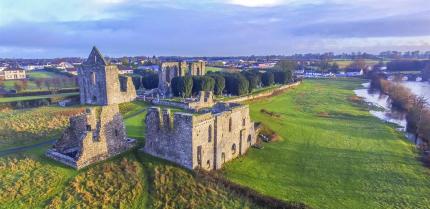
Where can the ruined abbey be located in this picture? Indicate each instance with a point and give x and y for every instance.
(100, 83)
(200, 140)
(169, 70)
(99, 133)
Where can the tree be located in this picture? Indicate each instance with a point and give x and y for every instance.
(177, 86)
(283, 76)
(47, 83)
(203, 83)
(268, 78)
(137, 81)
(18, 86)
(219, 84)
(335, 68)
(286, 65)
(236, 83)
(24, 84)
(414, 115)
(1, 84)
(182, 86)
(253, 80)
(358, 64)
(425, 73)
(150, 81)
(39, 83)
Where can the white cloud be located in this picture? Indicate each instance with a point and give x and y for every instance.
(258, 3)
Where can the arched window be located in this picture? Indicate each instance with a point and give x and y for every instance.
(230, 123)
(223, 157)
(249, 139)
(243, 122)
(233, 148)
(210, 133)
(208, 164)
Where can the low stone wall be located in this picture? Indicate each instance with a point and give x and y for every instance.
(263, 94)
(170, 104)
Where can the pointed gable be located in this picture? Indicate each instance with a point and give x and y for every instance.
(95, 58)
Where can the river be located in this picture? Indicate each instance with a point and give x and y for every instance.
(388, 114)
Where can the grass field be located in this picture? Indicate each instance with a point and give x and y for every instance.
(333, 153)
(30, 126)
(213, 69)
(24, 98)
(33, 75)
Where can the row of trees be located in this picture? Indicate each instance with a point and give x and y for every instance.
(146, 79)
(233, 83)
(49, 83)
(416, 107)
(406, 65)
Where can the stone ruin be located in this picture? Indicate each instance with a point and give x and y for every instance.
(101, 84)
(99, 133)
(95, 135)
(169, 70)
(200, 141)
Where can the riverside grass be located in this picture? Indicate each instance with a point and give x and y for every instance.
(333, 154)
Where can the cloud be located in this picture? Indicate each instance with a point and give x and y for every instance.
(257, 3)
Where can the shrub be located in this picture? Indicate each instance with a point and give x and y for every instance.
(268, 78)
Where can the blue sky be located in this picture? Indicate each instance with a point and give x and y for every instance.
(53, 28)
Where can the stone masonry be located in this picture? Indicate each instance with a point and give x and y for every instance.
(169, 70)
(99, 133)
(100, 83)
(95, 135)
(204, 141)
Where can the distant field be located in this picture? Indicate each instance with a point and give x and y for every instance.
(213, 69)
(33, 75)
(334, 154)
(14, 99)
(346, 63)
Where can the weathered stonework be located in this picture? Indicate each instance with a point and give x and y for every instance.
(203, 100)
(169, 70)
(100, 83)
(203, 141)
(93, 136)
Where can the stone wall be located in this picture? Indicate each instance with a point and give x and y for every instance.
(91, 137)
(99, 82)
(197, 68)
(204, 141)
(267, 93)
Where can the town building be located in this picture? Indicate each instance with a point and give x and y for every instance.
(12, 74)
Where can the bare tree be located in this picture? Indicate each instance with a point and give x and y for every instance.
(47, 83)
(18, 86)
(39, 83)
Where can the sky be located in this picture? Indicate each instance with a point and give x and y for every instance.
(53, 28)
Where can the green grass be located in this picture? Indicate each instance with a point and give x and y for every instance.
(213, 69)
(25, 98)
(29, 126)
(333, 154)
(42, 75)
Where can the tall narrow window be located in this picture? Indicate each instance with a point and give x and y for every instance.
(230, 124)
(93, 78)
(210, 133)
(243, 122)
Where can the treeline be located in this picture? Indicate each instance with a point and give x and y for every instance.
(145, 78)
(407, 65)
(416, 107)
(233, 83)
(48, 83)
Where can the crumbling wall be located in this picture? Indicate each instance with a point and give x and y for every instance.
(169, 138)
(91, 137)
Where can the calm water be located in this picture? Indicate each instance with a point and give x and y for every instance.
(387, 113)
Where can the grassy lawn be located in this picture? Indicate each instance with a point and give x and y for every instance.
(333, 154)
(213, 69)
(30, 126)
(14, 99)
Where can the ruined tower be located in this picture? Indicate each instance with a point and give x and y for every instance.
(99, 133)
(100, 83)
(169, 70)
